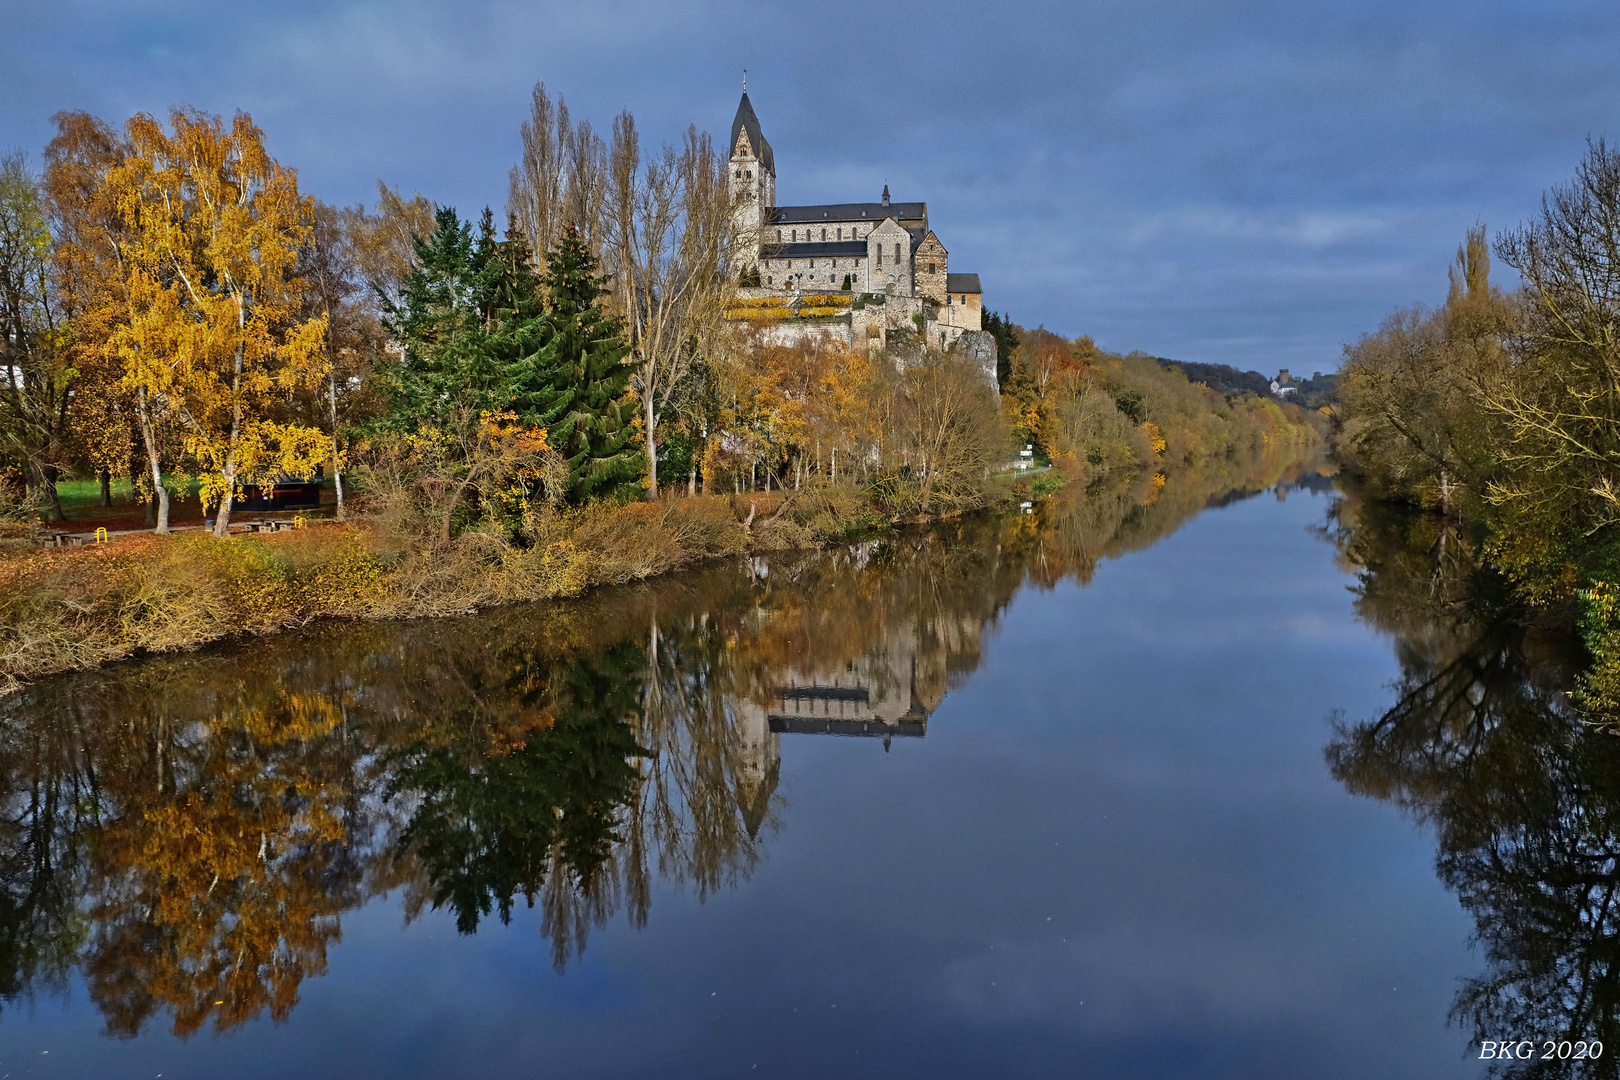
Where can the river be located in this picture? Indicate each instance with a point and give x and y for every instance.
(1110, 788)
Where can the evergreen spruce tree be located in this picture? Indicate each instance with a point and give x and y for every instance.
(475, 332)
(593, 427)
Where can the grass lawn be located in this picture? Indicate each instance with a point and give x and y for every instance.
(81, 503)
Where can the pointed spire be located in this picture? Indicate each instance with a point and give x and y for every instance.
(747, 122)
(885, 194)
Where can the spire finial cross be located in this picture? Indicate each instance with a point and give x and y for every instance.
(745, 80)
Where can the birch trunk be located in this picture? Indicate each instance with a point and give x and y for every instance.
(149, 438)
(222, 520)
(652, 447)
(337, 475)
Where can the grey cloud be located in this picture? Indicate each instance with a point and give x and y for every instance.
(1247, 182)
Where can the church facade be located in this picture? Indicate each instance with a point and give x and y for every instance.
(883, 251)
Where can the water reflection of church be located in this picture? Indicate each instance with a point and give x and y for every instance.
(885, 696)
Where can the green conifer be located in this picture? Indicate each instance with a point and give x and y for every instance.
(593, 426)
(476, 336)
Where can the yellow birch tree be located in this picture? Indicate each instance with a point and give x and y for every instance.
(213, 336)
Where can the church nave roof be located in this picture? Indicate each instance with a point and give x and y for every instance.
(833, 249)
(874, 212)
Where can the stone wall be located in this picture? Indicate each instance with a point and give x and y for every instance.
(812, 275)
(929, 261)
(885, 273)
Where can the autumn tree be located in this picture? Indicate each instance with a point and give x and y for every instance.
(949, 431)
(1559, 394)
(87, 231)
(384, 240)
(336, 289)
(34, 339)
(670, 240)
(214, 332)
(1413, 393)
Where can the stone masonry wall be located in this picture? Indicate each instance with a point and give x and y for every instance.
(930, 282)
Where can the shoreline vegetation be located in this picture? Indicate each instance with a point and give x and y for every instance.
(1494, 420)
(501, 416)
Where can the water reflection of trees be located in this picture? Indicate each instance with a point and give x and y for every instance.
(186, 832)
(1484, 745)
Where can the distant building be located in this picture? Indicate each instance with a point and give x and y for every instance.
(851, 251)
(1283, 385)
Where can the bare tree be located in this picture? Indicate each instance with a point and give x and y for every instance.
(585, 199)
(1562, 394)
(538, 183)
(384, 243)
(35, 369)
(560, 180)
(669, 244)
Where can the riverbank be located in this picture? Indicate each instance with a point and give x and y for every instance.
(69, 609)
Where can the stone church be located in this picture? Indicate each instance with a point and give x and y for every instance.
(883, 252)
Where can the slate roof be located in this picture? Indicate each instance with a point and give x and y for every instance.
(747, 121)
(830, 250)
(968, 283)
(831, 212)
(806, 725)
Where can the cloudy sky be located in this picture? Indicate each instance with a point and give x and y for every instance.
(1239, 181)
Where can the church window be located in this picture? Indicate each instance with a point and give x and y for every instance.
(897, 254)
(768, 281)
(930, 268)
(778, 236)
(840, 234)
(823, 236)
(880, 255)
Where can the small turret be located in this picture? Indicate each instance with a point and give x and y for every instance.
(885, 194)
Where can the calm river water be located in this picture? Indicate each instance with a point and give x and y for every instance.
(1112, 788)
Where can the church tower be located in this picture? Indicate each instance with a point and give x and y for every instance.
(753, 182)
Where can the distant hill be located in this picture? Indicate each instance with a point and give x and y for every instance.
(1225, 379)
(1222, 378)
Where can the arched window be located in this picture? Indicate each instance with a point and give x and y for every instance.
(930, 268)
(840, 234)
(880, 254)
(897, 253)
(823, 236)
(778, 236)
